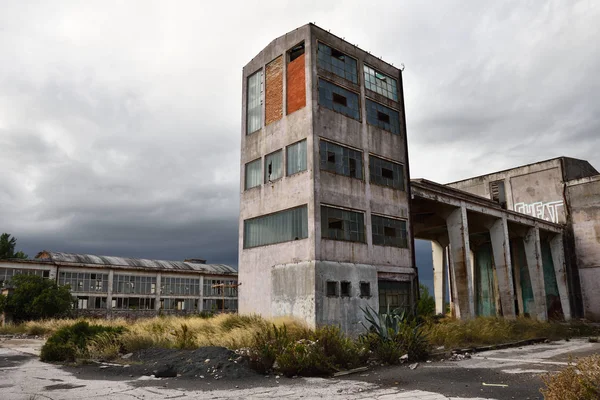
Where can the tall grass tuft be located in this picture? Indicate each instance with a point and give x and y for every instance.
(576, 382)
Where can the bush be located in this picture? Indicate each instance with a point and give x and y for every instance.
(304, 358)
(580, 382)
(341, 351)
(74, 340)
(268, 343)
(35, 298)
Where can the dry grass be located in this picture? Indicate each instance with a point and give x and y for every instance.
(452, 333)
(576, 382)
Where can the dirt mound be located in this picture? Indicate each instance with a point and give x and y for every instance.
(204, 362)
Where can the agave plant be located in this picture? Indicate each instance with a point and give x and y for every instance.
(385, 325)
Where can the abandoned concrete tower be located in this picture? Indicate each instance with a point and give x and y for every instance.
(324, 227)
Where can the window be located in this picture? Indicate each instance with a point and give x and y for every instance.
(170, 285)
(218, 305)
(273, 166)
(345, 289)
(498, 193)
(84, 282)
(341, 224)
(389, 231)
(381, 83)
(365, 289)
(386, 173)
(278, 227)
(336, 62)
(254, 103)
(341, 160)
(383, 117)
(7, 273)
(220, 287)
(129, 284)
(253, 173)
(296, 158)
(394, 295)
(332, 289)
(134, 303)
(338, 99)
(296, 51)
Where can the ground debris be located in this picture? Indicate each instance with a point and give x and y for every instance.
(459, 356)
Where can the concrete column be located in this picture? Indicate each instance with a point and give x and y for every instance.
(503, 266)
(533, 252)
(439, 278)
(558, 259)
(109, 290)
(157, 298)
(458, 233)
(448, 256)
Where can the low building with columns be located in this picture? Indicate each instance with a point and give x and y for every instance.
(105, 286)
(523, 241)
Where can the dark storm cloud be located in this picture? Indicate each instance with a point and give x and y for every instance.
(120, 122)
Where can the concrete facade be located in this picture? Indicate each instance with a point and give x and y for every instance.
(124, 287)
(294, 277)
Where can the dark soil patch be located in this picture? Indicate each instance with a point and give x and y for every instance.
(210, 363)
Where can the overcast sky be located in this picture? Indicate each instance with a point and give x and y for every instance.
(120, 121)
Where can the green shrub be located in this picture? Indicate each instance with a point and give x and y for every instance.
(76, 337)
(268, 343)
(304, 358)
(580, 382)
(342, 352)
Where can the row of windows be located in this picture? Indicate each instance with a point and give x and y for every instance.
(332, 96)
(344, 289)
(216, 305)
(295, 162)
(344, 66)
(333, 158)
(149, 303)
(134, 284)
(346, 102)
(220, 287)
(7, 273)
(84, 281)
(336, 224)
(180, 286)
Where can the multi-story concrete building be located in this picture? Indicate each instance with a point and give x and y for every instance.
(324, 215)
(563, 191)
(104, 286)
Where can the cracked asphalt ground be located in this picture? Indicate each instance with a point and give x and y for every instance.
(507, 374)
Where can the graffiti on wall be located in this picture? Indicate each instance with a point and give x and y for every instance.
(547, 211)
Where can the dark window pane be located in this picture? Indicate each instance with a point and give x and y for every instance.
(386, 173)
(383, 117)
(338, 99)
(341, 224)
(336, 62)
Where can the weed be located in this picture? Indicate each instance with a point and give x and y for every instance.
(576, 382)
(184, 337)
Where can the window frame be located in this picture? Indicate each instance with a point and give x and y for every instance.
(403, 239)
(365, 285)
(265, 169)
(348, 292)
(373, 173)
(259, 162)
(346, 154)
(346, 230)
(376, 121)
(331, 68)
(376, 72)
(287, 157)
(304, 221)
(260, 101)
(334, 284)
(321, 103)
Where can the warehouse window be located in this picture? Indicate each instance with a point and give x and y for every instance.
(389, 231)
(273, 166)
(129, 284)
(386, 173)
(170, 285)
(133, 303)
(254, 103)
(220, 287)
(84, 281)
(339, 224)
(336, 62)
(7, 273)
(253, 174)
(296, 158)
(383, 117)
(338, 99)
(394, 295)
(341, 160)
(381, 83)
(278, 227)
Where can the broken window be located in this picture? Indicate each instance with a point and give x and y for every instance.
(386, 173)
(282, 226)
(296, 52)
(340, 160)
(296, 158)
(345, 289)
(498, 193)
(383, 117)
(340, 224)
(179, 304)
(134, 284)
(339, 99)
(83, 281)
(336, 62)
(394, 295)
(389, 231)
(273, 166)
(332, 289)
(381, 83)
(7, 273)
(254, 103)
(365, 289)
(82, 303)
(253, 174)
(171, 285)
(220, 287)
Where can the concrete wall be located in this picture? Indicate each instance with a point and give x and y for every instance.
(584, 200)
(535, 189)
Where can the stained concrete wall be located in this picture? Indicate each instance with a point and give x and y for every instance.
(584, 200)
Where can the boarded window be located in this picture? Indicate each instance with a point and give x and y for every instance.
(278, 227)
(253, 174)
(296, 158)
(383, 117)
(389, 231)
(341, 160)
(274, 90)
(339, 99)
(342, 224)
(273, 166)
(296, 79)
(386, 173)
(336, 62)
(381, 83)
(254, 103)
